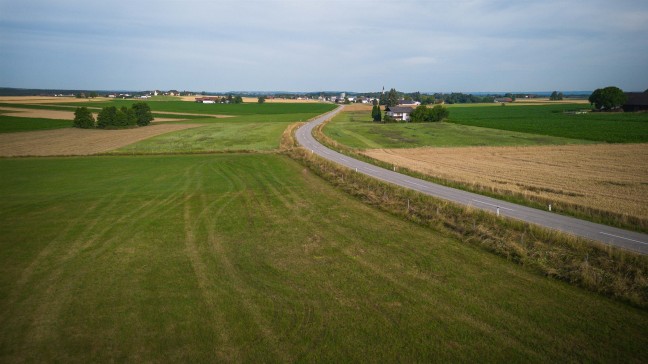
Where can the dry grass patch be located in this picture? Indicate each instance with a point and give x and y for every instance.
(603, 177)
(72, 141)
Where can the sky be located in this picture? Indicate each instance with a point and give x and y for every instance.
(315, 45)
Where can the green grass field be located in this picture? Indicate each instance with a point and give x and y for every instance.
(253, 258)
(356, 130)
(220, 136)
(12, 124)
(551, 120)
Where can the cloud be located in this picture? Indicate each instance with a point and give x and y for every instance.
(334, 44)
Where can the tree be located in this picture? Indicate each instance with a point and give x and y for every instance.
(83, 118)
(608, 98)
(556, 96)
(423, 114)
(376, 115)
(238, 100)
(123, 118)
(261, 99)
(392, 98)
(383, 99)
(92, 94)
(142, 113)
(106, 117)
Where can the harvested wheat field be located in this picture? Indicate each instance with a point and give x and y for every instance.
(73, 141)
(608, 177)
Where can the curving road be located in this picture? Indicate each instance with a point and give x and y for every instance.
(625, 239)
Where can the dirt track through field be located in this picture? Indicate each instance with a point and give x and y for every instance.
(72, 141)
(609, 177)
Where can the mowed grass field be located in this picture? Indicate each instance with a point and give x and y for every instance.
(252, 258)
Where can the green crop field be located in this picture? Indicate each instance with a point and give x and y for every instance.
(253, 258)
(226, 109)
(12, 124)
(356, 130)
(552, 120)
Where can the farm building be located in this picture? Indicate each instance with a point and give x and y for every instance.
(399, 112)
(503, 99)
(207, 100)
(637, 101)
(403, 102)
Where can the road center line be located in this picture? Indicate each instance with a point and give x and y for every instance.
(621, 237)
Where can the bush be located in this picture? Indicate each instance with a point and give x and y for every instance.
(83, 118)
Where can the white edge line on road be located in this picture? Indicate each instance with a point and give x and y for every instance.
(621, 237)
(490, 204)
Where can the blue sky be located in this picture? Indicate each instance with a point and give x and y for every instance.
(304, 45)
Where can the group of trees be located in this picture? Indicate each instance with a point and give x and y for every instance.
(424, 114)
(608, 98)
(111, 117)
(556, 96)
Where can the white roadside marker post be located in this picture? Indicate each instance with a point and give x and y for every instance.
(498, 211)
(549, 207)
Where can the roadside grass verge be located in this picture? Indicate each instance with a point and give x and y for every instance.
(12, 124)
(596, 267)
(602, 216)
(254, 258)
(552, 120)
(356, 130)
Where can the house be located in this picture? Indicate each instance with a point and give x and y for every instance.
(399, 112)
(637, 101)
(503, 99)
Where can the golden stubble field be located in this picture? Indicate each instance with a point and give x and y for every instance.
(608, 177)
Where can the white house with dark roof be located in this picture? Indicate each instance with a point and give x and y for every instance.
(399, 112)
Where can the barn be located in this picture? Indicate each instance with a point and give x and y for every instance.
(637, 101)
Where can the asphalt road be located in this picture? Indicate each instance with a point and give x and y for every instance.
(625, 239)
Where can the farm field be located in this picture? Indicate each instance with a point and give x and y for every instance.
(13, 124)
(73, 141)
(605, 177)
(250, 257)
(222, 109)
(242, 131)
(356, 130)
(553, 121)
